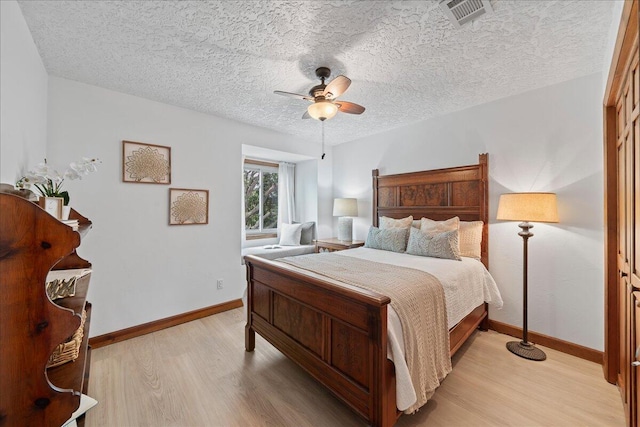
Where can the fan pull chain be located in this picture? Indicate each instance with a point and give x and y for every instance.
(322, 158)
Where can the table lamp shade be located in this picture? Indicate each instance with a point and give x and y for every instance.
(534, 207)
(345, 207)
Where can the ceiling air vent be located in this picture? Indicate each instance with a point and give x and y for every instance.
(462, 11)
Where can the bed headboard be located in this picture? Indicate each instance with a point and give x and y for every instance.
(437, 194)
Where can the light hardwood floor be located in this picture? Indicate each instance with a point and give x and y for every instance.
(198, 374)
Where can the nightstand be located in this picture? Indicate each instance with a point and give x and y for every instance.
(333, 244)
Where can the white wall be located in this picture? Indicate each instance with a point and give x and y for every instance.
(143, 269)
(616, 14)
(23, 103)
(306, 193)
(548, 139)
(325, 194)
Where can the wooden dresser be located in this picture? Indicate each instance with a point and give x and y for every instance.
(32, 242)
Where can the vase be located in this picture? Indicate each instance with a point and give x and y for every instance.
(66, 210)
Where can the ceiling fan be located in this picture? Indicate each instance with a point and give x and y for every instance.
(324, 97)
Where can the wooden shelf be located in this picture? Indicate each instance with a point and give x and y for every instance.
(70, 376)
(31, 325)
(77, 302)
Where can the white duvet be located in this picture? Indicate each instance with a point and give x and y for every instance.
(466, 283)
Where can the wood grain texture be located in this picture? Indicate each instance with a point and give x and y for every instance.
(622, 212)
(146, 328)
(333, 244)
(611, 309)
(31, 326)
(299, 322)
(198, 374)
(623, 50)
(577, 350)
(301, 307)
(424, 195)
(347, 353)
(438, 194)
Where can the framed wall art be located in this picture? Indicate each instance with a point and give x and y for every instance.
(188, 207)
(146, 163)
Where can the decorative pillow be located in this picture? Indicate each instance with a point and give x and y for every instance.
(391, 239)
(471, 239)
(416, 223)
(436, 245)
(290, 234)
(386, 222)
(308, 228)
(430, 226)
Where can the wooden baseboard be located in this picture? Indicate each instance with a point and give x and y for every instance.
(551, 342)
(156, 325)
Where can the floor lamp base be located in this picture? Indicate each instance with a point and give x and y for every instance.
(526, 350)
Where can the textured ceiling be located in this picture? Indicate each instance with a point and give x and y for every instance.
(407, 62)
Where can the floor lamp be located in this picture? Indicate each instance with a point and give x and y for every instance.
(525, 207)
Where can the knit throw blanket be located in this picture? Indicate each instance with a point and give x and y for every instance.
(418, 299)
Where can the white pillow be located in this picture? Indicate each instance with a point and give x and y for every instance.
(431, 227)
(386, 222)
(470, 239)
(290, 234)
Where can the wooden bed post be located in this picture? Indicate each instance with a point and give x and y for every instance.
(375, 173)
(249, 333)
(483, 161)
(380, 413)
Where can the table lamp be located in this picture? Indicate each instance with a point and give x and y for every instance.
(345, 209)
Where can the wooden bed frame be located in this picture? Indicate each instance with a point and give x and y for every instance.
(337, 332)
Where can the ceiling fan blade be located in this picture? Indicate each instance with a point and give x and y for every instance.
(350, 107)
(337, 87)
(293, 95)
(306, 115)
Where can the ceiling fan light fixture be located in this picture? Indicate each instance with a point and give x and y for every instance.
(322, 110)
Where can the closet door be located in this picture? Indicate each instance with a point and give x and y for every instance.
(635, 361)
(622, 217)
(629, 237)
(624, 289)
(633, 141)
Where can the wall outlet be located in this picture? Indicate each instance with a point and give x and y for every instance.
(220, 283)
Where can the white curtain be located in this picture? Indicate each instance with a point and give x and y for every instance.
(243, 232)
(286, 190)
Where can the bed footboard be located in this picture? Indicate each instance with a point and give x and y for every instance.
(336, 332)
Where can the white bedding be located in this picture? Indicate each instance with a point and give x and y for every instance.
(466, 283)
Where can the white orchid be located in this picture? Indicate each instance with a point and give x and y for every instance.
(82, 167)
(48, 181)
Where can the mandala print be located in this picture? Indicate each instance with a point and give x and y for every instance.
(147, 162)
(189, 207)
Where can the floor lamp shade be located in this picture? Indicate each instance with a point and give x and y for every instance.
(345, 209)
(535, 207)
(525, 207)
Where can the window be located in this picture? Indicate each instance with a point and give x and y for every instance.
(260, 198)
